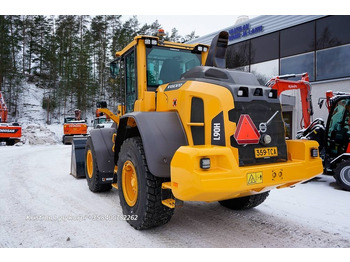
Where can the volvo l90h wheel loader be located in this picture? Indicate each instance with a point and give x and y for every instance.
(191, 130)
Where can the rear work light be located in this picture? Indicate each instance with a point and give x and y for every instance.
(204, 163)
(150, 42)
(273, 93)
(199, 49)
(314, 152)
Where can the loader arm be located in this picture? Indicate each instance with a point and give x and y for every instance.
(107, 112)
(280, 84)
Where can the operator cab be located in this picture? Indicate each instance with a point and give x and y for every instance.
(338, 131)
(69, 119)
(158, 62)
(102, 122)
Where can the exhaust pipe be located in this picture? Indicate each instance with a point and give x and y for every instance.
(217, 52)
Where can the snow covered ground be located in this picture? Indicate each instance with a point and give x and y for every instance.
(43, 206)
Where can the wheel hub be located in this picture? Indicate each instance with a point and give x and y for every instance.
(89, 163)
(129, 183)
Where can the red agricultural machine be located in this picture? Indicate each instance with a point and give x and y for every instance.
(9, 133)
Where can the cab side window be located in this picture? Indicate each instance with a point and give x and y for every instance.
(130, 76)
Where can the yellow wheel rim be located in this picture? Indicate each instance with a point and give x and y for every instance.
(129, 183)
(89, 163)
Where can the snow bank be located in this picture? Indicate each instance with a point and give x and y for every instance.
(32, 117)
(38, 134)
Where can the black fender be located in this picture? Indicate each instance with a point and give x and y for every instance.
(334, 162)
(162, 134)
(103, 147)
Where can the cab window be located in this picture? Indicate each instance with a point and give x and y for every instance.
(130, 76)
(165, 65)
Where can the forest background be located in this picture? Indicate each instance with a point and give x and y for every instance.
(67, 56)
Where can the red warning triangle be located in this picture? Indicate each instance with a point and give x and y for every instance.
(246, 132)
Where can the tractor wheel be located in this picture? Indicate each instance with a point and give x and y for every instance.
(93, 176)
(342, 175)
(247, 202)
(10, 142)
(139, 190)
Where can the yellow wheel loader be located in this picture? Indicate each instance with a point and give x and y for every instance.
(191, 130)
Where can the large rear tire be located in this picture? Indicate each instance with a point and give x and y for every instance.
(140, 192)
(247, 202)
(93, 176)
(342, 175)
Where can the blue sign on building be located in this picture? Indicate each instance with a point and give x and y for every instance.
(243, 31)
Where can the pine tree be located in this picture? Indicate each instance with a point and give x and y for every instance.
(67, 36)
(100, 36)
(5, 53)
(151, 29)
(83, 74)
(189, 37)
(174, 37)
(13, 76)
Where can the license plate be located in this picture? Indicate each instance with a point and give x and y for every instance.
(265, 152)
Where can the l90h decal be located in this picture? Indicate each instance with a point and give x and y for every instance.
(218, 130)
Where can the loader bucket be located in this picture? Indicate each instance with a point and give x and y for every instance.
(78, 157)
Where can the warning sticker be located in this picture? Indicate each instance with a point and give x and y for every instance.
(254, 178)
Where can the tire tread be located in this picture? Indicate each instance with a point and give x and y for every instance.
(93, 183)
(244, 203)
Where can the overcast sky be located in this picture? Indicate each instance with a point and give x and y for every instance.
(201, 16)
(185, 24)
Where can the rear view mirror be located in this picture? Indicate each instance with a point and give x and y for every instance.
(320, 102)
(101, 104)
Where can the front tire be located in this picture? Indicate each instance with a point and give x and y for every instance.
(243, 203)
(67, 140)
(140, 191)
(93, 176)
(342, 175)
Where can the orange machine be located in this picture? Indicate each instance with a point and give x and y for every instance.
(280, 84)
(10, 134)
(73, 126)
(334, 137)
